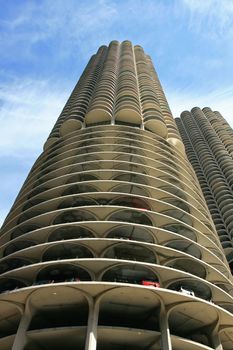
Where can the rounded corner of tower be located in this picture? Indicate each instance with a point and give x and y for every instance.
(69, 126)
(50, 141)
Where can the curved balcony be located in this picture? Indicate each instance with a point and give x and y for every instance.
(136, 217)
(73, 216)
(13, 263)
(10, 284)
(70, 232)
(130, 274)
(181, 230)
(133, 252)
(186, 247)
(61, 273)
(18, 245)
(131, 233)
(24, 229)
(66, 251)
(191, 288)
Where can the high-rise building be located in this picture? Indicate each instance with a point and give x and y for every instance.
(110, 244)
(209, 147)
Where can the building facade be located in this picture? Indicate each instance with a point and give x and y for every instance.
(110, 243)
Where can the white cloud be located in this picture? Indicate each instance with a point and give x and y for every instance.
(79, 27)
(67, 25)
(219, 100)
(217, 7)
(29, 109)
(213, 18)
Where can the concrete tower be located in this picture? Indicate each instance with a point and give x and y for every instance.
(209, 146)
(110, 244)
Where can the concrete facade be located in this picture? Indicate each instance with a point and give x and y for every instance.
(110, 243)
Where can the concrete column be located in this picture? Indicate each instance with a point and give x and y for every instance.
(21, 335)
(91, 338)
(164, 328)
(216, 341)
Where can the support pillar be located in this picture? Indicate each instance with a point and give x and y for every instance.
(21, 335)
(216, 341)
(213, 332)
(164, 328)
(91, 338)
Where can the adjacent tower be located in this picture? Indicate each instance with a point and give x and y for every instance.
(209, 146)
(110, 244)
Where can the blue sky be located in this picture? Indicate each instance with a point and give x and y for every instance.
(45, 44)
